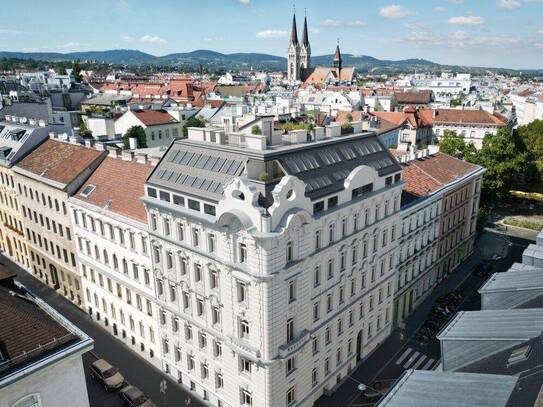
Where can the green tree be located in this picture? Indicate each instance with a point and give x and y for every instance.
(349, 117)
(256, 129)
(532, 137)
(138, 133)
(192, 122)
(452, 144)
(84, 131)
(76, 72)
(506, 161)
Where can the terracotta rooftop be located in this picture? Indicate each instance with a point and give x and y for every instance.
(426, 175)
(468, 116)
(414, 98)
(416, 117)
(154, 117)
(342, 115)
(119, 185)
(27, 332)
(59, 161)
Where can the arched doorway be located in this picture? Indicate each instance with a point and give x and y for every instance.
(54, 277)
(359, 346)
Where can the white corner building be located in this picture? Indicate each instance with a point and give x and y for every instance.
(274, 261)
(113, 253)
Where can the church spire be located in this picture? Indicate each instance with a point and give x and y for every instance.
(337, 57)
(305, 37)
(294, 31)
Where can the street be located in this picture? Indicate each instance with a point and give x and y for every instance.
(401, 351)
(136, 370)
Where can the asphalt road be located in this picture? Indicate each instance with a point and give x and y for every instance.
(136, 370)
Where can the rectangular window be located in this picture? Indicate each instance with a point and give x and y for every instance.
(194, 205)
(242, 253)
(290, 330)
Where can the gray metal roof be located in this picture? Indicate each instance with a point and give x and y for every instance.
(421, 388)
(196, 170)
(202, 169)
(514, 281)
(495, 325)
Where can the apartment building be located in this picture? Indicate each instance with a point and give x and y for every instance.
(274, 262)
(17, 138)
(113, 252)
(440, 201)
(47, 177)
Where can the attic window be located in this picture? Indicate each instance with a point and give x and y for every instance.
(87, 190)
(519, 355)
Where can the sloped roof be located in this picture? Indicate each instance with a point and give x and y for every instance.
(321, 74)
(342, 115)
(154, 117)
(59, 161)
(426, 175)
(414, 97)
(423, 388)
(119, 185)
(468, 116)
(26, 331)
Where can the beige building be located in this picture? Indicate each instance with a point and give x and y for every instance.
(48, 176)
(16, 140)
(440, 202)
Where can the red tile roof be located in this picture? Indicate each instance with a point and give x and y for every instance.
(59, 161)
(468, 116)
(413, 97)
(426, 175)
(154, 117)
(118, 184)
(415, 117)
(26, 331)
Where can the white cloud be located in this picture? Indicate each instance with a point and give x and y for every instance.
(315, 30)
(439, 10)
(329, 22)
(9, 31)
(466, 20)
(460, 39)
(540, 31)
(356, 23)
(127, 38)
(456, 1)
(245, 2)
(272, 34)
(123, 5)
(70, 45)
(508, 4)
(394, 11)
(153, 39)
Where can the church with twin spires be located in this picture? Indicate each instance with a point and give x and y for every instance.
(299, 62)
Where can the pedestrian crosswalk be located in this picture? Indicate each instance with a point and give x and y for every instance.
(413, 359)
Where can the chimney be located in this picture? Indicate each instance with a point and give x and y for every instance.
(127, 155)
(141, 158)
(113, 152)
(89, 143)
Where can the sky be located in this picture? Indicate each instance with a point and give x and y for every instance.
(492, 33)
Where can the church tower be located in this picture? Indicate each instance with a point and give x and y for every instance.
(294, 53)
(305, 50)
(338, 62)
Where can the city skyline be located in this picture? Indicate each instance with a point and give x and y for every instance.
(503, 33)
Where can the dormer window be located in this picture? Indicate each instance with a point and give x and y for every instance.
(519, 355)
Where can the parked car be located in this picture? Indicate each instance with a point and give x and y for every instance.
(134, 397)
(107, 375)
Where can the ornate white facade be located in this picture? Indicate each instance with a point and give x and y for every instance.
(272, 304)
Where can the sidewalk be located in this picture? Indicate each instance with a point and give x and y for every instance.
(378, 365)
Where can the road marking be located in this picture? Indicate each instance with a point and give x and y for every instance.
(401, 358)
(411, 360)
(419, 362)
(428, 364)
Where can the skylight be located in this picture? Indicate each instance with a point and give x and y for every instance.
(87, 190)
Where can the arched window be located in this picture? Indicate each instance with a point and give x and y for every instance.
(115, 262)
(106, 258)
(96, 252)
